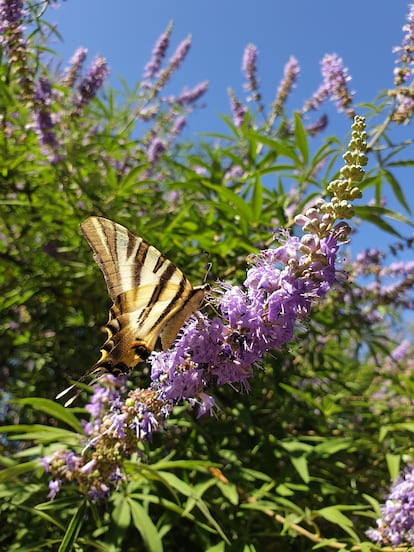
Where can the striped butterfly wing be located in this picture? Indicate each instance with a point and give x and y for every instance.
(151, 296)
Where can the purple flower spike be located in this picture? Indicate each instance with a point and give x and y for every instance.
(405, 51)
(249, 63)
(158, 54)
(155, 149)
(249, 67)
(238, 110)
(180, 53)
(11, 17)
(76, 62)
(92, 82)
(188, 97)
(334, 85)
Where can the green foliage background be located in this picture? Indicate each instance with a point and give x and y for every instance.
(304, 457)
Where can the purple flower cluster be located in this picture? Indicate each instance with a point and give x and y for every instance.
(71, 74)
(155, 149)
(396, 526)
(385, 284)
(158, 54)
(43, 119)
(11, 14)
(42, 116)
(178, 126)
(118, 423)
(153, 68)
(404, 106)
(278, 292)
(169, 113)
(400, 352)
(290, 76)
(249, 63)
(334, 85)
(238, 109)
(249, 67)
(13, 43)
(92, 82)
(180, 53)
(403, 73)
(405, 52)
(188, 97)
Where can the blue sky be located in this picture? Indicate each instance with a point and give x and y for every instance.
(362, 32)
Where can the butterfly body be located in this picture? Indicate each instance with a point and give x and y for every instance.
(151, 297)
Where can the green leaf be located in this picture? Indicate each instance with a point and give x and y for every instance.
(368, 212)
(146, 527)
(41, 433)
(74, 527)
(332, 446)
(301, 137)
(56, 410)
(334, 515)
(121, 514)
(396, 188)
(16, 297)
(229, 491)
(393, 464)
(220, 547)
(229, 197)
(257, 199)
(403, 426)
(8, 474)
(176, 483)
(300, 464)
(279, 147)
(376, 219)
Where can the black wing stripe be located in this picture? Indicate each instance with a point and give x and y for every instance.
(157, 294)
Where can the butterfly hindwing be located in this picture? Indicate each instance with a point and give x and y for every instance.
(151, 296)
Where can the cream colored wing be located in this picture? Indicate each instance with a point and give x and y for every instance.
(127, 261)
(152, 297)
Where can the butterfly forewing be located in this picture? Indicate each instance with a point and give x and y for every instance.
(151, 296)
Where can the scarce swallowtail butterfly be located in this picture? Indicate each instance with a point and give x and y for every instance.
(151, 297)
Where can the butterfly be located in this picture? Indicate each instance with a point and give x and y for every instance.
(151, 297)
